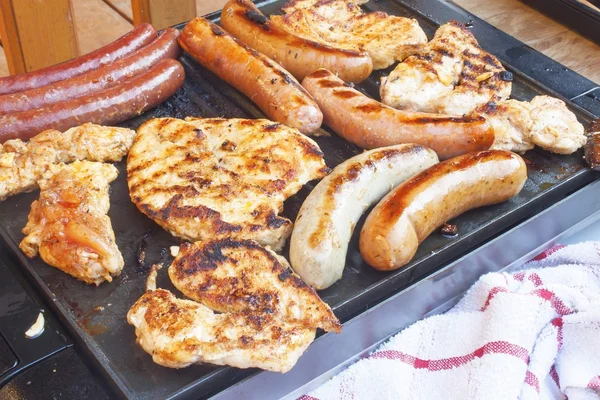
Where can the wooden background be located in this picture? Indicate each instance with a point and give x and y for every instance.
(98, 24)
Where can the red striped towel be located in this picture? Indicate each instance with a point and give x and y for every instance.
(533, 334)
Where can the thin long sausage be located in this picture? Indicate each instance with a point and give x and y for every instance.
(404, 218)
(370, 124)
(106, 107)
(125, 45)
(268, 85)
(165, 46)
(300, 56)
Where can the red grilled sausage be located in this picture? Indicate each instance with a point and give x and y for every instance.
(126, 44)
(300, 56)
(106, 107)
(370, 124)
(165, 46)
(273, 89)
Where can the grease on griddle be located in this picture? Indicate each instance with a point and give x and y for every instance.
(140, 256)
(533, 165)
(449, 230)
(92, 322)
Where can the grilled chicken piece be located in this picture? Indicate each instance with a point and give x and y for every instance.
(22, 164)
(178, 333)
(342, 24)
(68, 225)
(592, 146)
(545, 121)
(449, 75)
(204, 179)
(239, 276)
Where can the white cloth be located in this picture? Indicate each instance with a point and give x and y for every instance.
(534, 334)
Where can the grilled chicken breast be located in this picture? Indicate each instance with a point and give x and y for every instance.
(68, 225)
(451, 74)
(242, 276)
(178, 333)
(544, 121)
(22, 164)
(342, 24)
(204, 179)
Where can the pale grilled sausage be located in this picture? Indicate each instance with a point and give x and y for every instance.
(300, 56)
(165, 46)
(267, 84)
(370, 124)
(329, 214)
(404, 218)
(106, 107)
(140, 36)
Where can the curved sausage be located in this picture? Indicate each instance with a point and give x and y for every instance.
(165, 46)
(106, 107)
(411, 212)
(300, 56)
(125, 45)
(272, 88)
(329, 214)
(370, 124)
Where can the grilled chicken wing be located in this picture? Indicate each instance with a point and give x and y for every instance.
(342, 24)
(22, 164)
(178, 333)
(545, 121)
(239, 276)
(449, 75)
(68, 225)
(203, 179)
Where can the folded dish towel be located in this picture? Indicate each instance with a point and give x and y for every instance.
(533, 334)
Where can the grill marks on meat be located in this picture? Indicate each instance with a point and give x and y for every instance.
(22, 164)
(68, 225)
(342, 24)
(242, 276)
(178, 333)
(544, 121)
(204, 179)
(450, 74)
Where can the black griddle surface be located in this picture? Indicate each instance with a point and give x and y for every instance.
(97, 315)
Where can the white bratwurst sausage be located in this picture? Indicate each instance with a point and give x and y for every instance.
(405, 217)
(330, 212)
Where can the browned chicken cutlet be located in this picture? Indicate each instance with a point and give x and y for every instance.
(68, 225)
(238, 276)
(178, 333)
(342, 24)
(22, 164)
(450, 74)
(544, 121)
(204, 179)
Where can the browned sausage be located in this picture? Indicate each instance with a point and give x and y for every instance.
(408, 214)
(300, 56)
(106, 107)
(272, 88)
(165, 46)
(126, 44)
(370, 124)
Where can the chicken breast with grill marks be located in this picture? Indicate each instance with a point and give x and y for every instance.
(22, 164)
(239, 276)
(68, 225)
(178, 333)
(342, 24)
(449, 75)
(544, 121)
(204, 179)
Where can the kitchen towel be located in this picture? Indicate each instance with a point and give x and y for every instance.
(532, 334)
